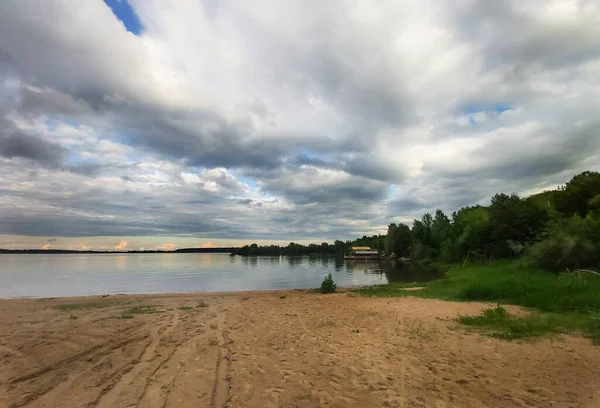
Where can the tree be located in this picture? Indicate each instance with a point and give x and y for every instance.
(440, 229)
(578, 196)
(471, 229)
(513, 220)
(399, 239)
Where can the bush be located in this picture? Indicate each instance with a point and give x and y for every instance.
(328, 285)
(570, 244)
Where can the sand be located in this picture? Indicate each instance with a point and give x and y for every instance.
(258, 350)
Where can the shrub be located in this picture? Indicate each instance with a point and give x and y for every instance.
(328, 285)
(569, 244)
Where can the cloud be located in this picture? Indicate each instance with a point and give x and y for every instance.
(20, 145)
(259, 120)
(169, 246)
(122, 245)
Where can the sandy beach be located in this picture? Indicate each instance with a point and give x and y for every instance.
(278, 349)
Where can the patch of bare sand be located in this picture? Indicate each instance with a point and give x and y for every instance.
(257, 350)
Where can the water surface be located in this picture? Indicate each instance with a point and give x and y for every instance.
(41, 275)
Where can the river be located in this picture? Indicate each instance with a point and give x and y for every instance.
(51, 275)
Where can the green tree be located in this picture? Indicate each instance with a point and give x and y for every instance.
(579, 194)
(513, 220)
(440, 229)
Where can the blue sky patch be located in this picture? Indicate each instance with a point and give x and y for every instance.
(497, 108)
(392, 192)
(248, 181)
(124, 12)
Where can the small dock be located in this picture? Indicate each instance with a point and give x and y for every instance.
(362, 253)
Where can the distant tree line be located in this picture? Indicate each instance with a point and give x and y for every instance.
(555, 230)
(336, 248)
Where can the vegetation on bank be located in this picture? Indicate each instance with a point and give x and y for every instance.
(554, 230)
(567, 302)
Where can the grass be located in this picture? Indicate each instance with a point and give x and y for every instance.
(563, 302)
(501, 324)
(201, 304)
(142, 309)
(125, 316)
(213, 342)
(82, 306)
(282, 296)
(73, 317)
(185, 308)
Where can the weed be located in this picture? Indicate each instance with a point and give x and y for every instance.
(282, 296)
(125, 316)
(245, 297)
(201, 304)
(212, 342)
(505, 326)
(592, 327)
(143, 309)
(185, 308)
(82, 306)
(73, 317)
(331, 323)
(328, 285)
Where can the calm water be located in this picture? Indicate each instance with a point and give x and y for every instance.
(42, 275)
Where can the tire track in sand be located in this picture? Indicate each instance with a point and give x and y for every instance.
(222, 382)
(111, 395)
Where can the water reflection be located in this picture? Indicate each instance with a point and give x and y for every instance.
(395, 271)
(294, 261)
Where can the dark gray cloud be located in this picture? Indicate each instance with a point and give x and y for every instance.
(34, 148)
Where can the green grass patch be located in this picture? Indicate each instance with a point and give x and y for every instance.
(185, 308)
(82, 306)
(142, 309)
(563, 303)
(505, 282)
(282, 296)
(497, 322)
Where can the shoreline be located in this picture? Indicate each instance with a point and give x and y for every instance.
(171, 294)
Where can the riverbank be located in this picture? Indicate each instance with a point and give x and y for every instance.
(278, 349)
(557, 303)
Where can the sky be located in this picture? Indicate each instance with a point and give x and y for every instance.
(131, 124)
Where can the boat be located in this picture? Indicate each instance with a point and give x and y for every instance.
(363, 253)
